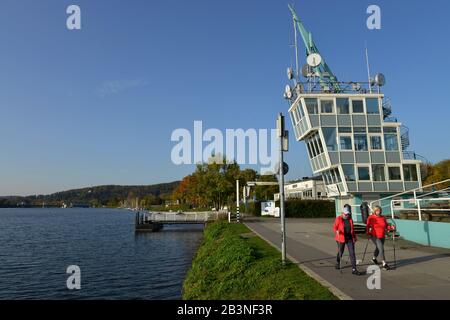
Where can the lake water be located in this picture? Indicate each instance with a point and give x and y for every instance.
(37, 246)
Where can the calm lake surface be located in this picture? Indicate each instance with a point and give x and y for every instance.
(37, 246)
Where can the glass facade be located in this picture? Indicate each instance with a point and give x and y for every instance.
(351, 145)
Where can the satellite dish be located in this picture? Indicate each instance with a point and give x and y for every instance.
(356, 86)
(314, 59)
(290, 73)
(380, 79)
(288, 92)
(307, 71)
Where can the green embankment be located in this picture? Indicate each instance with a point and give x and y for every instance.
(233, 263)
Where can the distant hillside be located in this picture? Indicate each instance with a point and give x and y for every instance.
(110, 195)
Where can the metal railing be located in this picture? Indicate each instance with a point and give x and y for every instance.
(185, 217)
(422, 206)
(391, 204)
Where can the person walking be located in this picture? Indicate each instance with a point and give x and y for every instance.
(345, 236)
(376, 228)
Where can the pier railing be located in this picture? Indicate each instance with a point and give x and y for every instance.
(185, 217)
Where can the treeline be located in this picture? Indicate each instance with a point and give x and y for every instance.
(213, 185)
(110, 196)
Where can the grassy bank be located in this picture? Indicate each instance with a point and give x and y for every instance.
(233, 263)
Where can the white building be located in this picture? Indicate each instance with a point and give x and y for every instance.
(308, 189)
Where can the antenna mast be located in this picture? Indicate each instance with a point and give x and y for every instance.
(297, 73)
(368, 70)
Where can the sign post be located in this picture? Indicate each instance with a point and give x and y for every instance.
(282, 170)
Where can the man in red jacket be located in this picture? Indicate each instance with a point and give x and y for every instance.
(345, 235)
(376, 228)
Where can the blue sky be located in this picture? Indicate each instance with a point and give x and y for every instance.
(98, 106)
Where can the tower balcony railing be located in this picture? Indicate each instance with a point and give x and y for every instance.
(315, 87)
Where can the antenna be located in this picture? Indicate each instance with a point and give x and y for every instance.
(297, 73)
(368, 69)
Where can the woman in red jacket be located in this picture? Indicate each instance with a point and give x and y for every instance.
(345, 235)
(376, 228)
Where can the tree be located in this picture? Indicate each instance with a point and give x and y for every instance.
(438, 172)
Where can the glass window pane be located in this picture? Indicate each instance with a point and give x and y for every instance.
(390, 129)
(363, 173)
(309, 150)
(359, 129)
(372, 106)
(300, 110)
(375, 129)
(349, 172)
(346, 143)
(378, 172)
(394, 173)
(330, 138)
(326, 106)
(345, 129)
(410, 172)
(338, 175)
(360, 141)
(343, 106)
(358, 106)
(375, 143)
(390, 142)
(319, 143)
(312, 105)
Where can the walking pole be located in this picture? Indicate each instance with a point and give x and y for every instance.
(393, 243)
(365, 250)
(339, 253)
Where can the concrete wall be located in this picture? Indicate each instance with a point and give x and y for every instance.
(428, 233)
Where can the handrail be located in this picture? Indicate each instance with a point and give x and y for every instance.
(407, 192)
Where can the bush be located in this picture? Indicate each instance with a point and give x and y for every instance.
(309, 209)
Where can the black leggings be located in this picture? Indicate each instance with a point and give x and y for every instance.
(351, 251)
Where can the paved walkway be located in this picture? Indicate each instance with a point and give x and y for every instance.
(421, 273)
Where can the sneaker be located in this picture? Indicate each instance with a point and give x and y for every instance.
(337, 267)
(386, 267)
(375, 261)
(356, 272)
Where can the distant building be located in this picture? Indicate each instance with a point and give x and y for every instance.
(312, 188)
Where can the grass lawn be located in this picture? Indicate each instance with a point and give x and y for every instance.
(233, 263)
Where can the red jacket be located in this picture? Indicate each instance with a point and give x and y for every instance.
(377, 226)
(339, 225)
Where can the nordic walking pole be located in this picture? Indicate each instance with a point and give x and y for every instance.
(365, 250)
(339, 253)
(393, 243)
